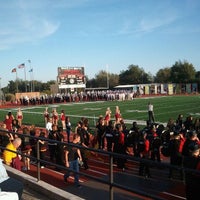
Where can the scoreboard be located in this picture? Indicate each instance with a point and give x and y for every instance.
(71, 77)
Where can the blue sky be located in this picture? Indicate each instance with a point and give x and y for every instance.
(100, 35)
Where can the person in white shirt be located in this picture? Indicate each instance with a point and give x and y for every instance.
(151, 113)
(49, 125)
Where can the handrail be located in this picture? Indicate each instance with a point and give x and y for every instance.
(109, 182)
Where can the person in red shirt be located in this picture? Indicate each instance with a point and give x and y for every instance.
(143, 152)
(62, 119)
(8, 121)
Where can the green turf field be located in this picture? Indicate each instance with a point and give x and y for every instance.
(165, 107)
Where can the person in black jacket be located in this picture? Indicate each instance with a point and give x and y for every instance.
(192, 178)
(100, 128)
(133, 138)
(109, 135)
(84, 141)
(155, 144)
(52, 145)
(191, 138)
(175, 154)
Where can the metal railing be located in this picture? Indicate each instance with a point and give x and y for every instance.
(110, 182)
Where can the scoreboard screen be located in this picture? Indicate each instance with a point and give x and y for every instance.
(71, 77)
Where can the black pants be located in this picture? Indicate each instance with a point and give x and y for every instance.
(109, 143)
(144, 168)
(52, 152)
(84, 158)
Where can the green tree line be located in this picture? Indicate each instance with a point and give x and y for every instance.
(180, 72)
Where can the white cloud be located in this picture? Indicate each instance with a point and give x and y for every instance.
(25, 24)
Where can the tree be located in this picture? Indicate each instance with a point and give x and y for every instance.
(103, 80)
(91, 83)
(182, 72)
(12, 87)
(163, 75)
(134, 75)
(113, 80)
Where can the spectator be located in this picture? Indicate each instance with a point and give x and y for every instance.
(15, 125)
(179, 121)
(109, 135)
(52, 144)
(78, 127)
(12, 158)
(192, 161)
(26, 148)
(100, 128)
(72, 157)
(59, 147)
(121, 147)
(171, 125)
(133, 138)
(155, 145)
(84, 141)
(175, 154)
(188, 123)
(33, 141)
(49, 125)
(143, 151)
(191, 138)
(5, 136)
(68, 127)
(42, 148)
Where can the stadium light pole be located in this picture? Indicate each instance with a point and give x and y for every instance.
(31, 77)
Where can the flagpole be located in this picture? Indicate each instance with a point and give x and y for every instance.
(33, 80)
(25, 77)
(16, 81)
(31, 84)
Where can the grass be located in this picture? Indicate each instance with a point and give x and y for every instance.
(165, 107)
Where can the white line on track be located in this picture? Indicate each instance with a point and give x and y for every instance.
(177, 196)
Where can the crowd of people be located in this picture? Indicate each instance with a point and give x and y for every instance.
(178, 140)
(102, 95)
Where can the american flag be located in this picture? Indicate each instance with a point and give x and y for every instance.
(21, 66)
(14, 70)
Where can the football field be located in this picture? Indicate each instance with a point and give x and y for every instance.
(165, 107)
